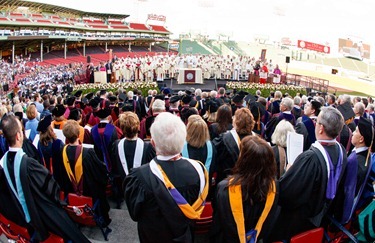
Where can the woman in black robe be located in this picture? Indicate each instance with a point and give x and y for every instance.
(253, 180)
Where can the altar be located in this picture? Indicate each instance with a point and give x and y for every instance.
(190, 75)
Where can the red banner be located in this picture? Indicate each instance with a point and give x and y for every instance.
(313, 46)
(190, 76)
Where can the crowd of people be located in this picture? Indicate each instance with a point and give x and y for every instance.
(166, 154)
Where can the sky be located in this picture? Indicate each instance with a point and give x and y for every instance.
(319, 21)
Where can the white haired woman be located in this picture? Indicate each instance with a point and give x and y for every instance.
(278, 138)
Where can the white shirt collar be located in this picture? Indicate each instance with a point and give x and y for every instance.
(13, 149)
(164, 157)
(104, 121)
(361, 149)
(287, 112)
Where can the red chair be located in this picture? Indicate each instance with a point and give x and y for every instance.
(310, 236)
(203, 225)
(82, 210)
(20, 234)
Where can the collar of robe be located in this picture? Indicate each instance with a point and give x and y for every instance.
(190, 211)
(75, 177)
(235, 200)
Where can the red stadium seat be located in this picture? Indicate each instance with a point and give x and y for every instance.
(203, 225)
(82, 210)
(310, 236)
(20, 234)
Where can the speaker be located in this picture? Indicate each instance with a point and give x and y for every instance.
(287, 59)
(88, 59)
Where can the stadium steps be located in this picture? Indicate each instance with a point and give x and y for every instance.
(206, 47)
(192, 47)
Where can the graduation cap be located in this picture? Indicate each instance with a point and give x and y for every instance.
(78, 93)
(89, 96)
(346, 111)
(70, 100)
(74, 114)
(104, 110)
(238, 98)
(188, 92)
(174, 99)
(112, 98)
(248, 98)
(366, 130)
(122, 96)
(255, 109)
(167, 91)
(103, 92)
(127, 107)
(212, 106)
(186, 99)
(44, 123)
(159, 97)
(94, 103)
(193, 103)
(59, 110)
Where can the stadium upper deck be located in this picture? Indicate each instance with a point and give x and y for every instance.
(24, 24)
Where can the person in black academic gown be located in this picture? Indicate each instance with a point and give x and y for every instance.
(49, 147)
(255, 173)
(305, 197)
(227, 144)
(129, 123)
(94, 176)
(148, 197)
(40, 191)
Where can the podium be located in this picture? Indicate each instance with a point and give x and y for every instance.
(100, 77)
(190, 76)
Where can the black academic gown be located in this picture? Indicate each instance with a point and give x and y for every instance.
(42, 199)
(303, 193)
(95, 178)
(214, 132)
(302, 129)
(150, 204)
(227, 155)
(362, 169)
(118, 171)
(224, 226)
(200, 154)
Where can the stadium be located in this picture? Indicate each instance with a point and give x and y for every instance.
(53, 50)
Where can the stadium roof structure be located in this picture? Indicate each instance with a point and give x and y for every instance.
(12, 5)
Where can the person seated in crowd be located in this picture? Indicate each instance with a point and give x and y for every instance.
(37, 193)
(167, 194)
(84, 173)
(227, 144)
(247, 199)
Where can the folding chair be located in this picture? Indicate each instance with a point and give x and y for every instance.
(82, 211)
(203, 225)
